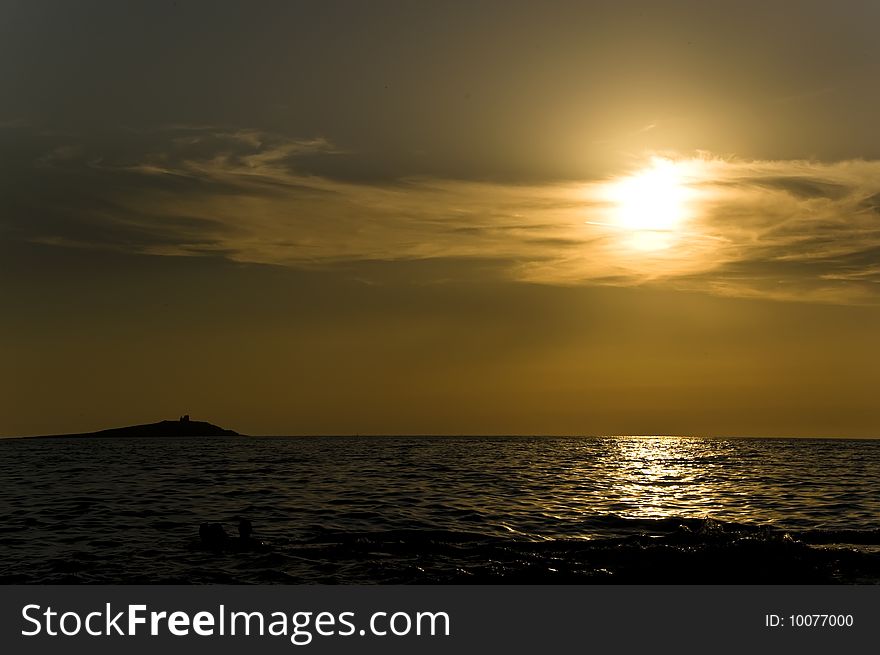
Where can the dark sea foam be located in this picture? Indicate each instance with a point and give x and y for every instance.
(441, 510)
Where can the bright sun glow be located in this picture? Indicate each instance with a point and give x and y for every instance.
(651, 206)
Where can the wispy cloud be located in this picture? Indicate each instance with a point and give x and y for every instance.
(793, 230)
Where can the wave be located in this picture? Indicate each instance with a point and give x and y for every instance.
(666, 551)
(611, 528)
(647, 551)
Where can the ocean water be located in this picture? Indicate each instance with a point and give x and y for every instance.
(441, 510)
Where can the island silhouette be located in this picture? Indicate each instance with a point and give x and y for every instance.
(183, 427)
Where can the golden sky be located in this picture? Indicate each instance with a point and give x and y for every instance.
(407, 218)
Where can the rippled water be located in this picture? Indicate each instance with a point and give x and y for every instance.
(441, 509)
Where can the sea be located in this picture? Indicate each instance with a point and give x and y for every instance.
(440, 510)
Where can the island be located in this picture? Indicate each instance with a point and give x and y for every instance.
(183, 427)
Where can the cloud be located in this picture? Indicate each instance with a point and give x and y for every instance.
(788, 230)
(795, 230)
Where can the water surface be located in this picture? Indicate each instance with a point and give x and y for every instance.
(444, 509)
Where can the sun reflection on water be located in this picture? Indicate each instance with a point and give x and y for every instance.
(660, 477)
(648, 478)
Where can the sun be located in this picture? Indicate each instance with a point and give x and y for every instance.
(653, 199)
(651, 206)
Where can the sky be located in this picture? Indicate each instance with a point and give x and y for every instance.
(441, 218)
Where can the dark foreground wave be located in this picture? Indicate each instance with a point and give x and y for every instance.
(661, 551)
(690, 551)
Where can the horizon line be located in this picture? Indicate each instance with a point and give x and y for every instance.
(461, 435)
